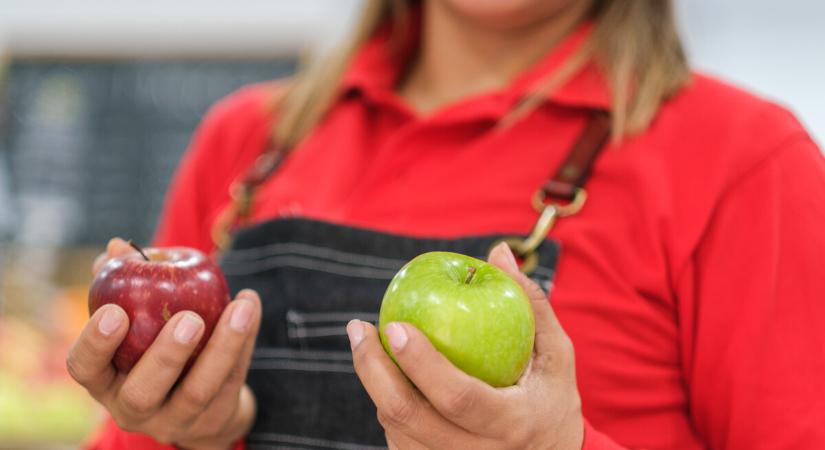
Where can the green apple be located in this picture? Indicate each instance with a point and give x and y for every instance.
(473, 313)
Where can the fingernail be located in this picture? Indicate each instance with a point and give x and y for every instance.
(110, 321)
(511, 258)
(115, 243)
(187, 328)
(396, 335)
(241, 315)
(355, 331)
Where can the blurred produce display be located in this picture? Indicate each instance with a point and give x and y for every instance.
(38, 401)
(87, 149)
(40, 406)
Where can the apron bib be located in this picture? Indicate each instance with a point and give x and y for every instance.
(314, 277)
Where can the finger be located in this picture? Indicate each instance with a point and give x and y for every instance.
(243, 420)
(237, 378)
(400, 408)
(115, 247)
(398, 441)
(390, 443)
(228, 394)
(228, 350)
(149, 382)
(460, 398)
(89, 361)
(235, 421)
(550, 336)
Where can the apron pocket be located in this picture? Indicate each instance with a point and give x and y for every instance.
(291, 382)
(322, 330)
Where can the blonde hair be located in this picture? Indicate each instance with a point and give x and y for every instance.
(635, 42)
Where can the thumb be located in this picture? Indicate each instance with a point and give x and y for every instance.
(115, 247)
(550, 336)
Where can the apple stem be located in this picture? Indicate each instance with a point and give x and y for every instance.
(471, 271)
(140, 250)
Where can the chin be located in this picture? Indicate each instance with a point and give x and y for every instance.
(505, 14)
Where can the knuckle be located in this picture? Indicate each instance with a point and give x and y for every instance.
(223, 422)
(419, 355)
(413, 358)
(567, 349)
(398, 412)
(384, 420)
(381, 419)
(164, 436)
(533, 290)
(235, 376)
(169, 360)
(195, 398)
(360, 358)
(536, 293)
(135, 403)
(517, 436)
(124, 423)
(459, 403)
(76, 370)
(78, 357)
(575, 401)
(544, 361)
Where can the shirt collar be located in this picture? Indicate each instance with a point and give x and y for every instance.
(377, 67)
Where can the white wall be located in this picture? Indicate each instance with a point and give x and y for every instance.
(152, 28)
(776, 48)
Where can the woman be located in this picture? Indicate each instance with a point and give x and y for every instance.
(688, 284)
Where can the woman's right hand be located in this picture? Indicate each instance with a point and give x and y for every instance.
(210, 408)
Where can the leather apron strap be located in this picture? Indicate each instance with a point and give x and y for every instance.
(565, 186)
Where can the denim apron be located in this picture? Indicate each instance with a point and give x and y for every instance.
(314, 277)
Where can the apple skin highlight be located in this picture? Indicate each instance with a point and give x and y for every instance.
(472, 312)
(153, 289)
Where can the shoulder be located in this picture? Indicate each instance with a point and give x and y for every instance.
(719, 132)
(731, 121)
(237, 128)
(251, 105)
(710, 139)
(231, 135)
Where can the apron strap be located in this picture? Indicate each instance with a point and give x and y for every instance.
(566, 185)
(575, 170)
(242, 194)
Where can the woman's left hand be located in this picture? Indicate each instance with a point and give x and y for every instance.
(452, 410)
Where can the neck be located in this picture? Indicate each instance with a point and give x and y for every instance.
(458, 59)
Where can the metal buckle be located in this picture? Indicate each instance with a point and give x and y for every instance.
(220, 232)
(237, 210)
(549, 213)
(567, 209)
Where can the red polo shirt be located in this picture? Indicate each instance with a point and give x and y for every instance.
(691, 284)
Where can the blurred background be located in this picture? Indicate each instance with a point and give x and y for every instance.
(98, 100)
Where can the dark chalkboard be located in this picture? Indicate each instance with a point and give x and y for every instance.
(91, 146)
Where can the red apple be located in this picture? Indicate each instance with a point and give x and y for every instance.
(151, 286)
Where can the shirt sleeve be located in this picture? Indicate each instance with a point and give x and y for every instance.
(753, 311)
(754, 316)
(595, 440)
(111, 437)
